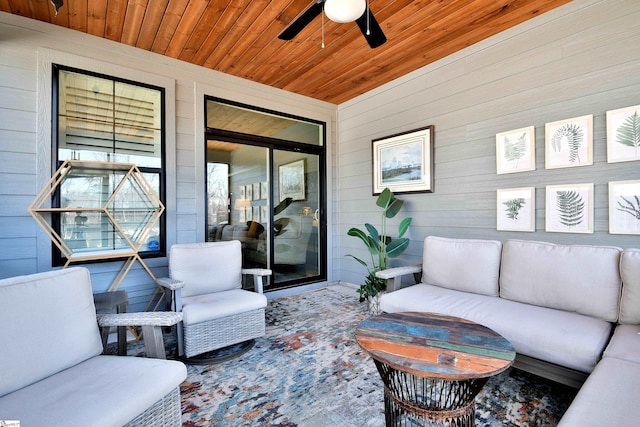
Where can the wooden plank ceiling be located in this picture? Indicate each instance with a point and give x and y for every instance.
(240, 37)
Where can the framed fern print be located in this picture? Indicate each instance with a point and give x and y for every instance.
(623, 134)
(515, 151)
(624, 207)
(569, 143)
(569, 208)
(516, 209)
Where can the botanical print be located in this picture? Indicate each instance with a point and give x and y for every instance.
(624, 207)
(515, 151)
(569, 143)
(623, 134)
(516, 209)
(570, 208)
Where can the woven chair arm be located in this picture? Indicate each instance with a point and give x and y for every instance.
(156, 318)
(391, 273)
(169, 283)
(257, 271)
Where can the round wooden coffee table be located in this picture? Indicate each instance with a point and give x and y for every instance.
(432, 366)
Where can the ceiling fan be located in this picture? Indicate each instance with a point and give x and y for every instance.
(340, 11)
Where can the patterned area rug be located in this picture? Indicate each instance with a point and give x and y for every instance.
(309, 371)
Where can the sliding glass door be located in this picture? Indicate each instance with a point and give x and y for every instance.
(266, 191)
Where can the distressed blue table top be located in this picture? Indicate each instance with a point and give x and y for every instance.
(435, 346)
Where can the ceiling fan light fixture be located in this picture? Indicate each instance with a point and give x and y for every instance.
(343, 11)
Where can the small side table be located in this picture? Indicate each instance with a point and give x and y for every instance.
(432, 365)
(113, 302)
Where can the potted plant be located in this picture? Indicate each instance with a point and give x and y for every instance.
(381, 247)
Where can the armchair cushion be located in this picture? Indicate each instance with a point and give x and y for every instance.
(58, 317)
(200, 308)
(188, 261)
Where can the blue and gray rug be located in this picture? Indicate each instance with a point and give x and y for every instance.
(309, 371)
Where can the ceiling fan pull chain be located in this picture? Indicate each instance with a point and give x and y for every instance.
(322, 25)
(367, 12)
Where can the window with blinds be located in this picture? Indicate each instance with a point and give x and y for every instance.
(105, 119)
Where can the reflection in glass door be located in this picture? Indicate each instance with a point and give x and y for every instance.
(265, 188)
(280, 233)
(296, 216)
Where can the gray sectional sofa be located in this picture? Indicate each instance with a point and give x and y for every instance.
(572, 312)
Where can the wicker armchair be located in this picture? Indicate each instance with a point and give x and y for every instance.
(206, 281)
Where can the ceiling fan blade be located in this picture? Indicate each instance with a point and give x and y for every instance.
(376, 36)
(302, 21)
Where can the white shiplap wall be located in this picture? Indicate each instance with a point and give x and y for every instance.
(27, 48)
(582, 58)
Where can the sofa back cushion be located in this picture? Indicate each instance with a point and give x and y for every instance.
(467, 265)
(206, 267)
(48, 324)
(630, 273)
(576, 278)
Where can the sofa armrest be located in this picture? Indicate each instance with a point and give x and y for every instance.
(257, 274)
(150, 318)
(151, 323)
(169, 283)
(393, 276)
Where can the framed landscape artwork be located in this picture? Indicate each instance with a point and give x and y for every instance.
(623, 134)
(569, 208)
(515, 151)
(404, 162)
(291, 180)
(516, 209)
(624, 207)
(569, 143)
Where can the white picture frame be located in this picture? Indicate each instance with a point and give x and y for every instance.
(621, 146)
(256, 191)
(569, 208)
(569, 143)
(516, 209)
(403, 162)
(515, 151)
(624, 207)
(248, 191)
(264, 190)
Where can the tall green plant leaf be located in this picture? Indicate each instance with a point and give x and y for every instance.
(397, 247)
(385, 198)
(404, 226)
(393, 208)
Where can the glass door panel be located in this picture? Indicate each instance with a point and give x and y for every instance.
(296, 220)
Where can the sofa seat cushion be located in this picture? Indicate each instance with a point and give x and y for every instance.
(567, 339)
(609, 397)
(578, 278)
(201, 308)
(101, 391)
(625, 343)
